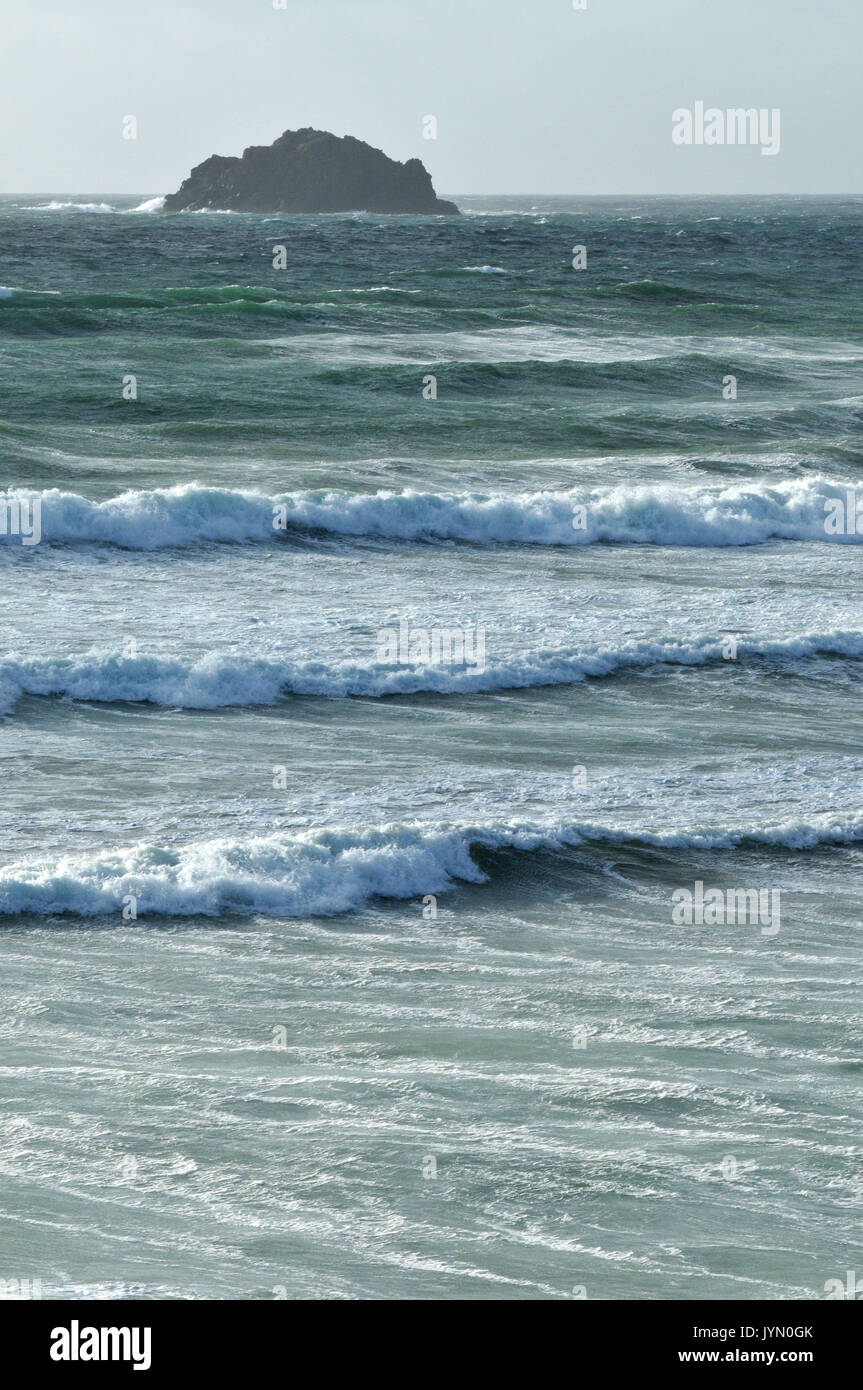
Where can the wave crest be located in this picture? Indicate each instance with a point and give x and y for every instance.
(323, 872)
(216, 681)
(653, 514)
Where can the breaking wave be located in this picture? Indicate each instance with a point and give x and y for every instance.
(150, 205)
(57, 205)
(217, 681)
(328, 871)
(653, 514)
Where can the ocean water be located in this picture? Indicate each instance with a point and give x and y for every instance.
(336, 968)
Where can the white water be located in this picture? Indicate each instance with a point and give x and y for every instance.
(800, 509)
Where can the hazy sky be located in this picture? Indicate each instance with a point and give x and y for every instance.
(530, 96)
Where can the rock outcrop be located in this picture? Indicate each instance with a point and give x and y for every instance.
(309, 171)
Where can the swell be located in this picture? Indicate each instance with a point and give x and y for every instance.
(689, 375)
(191, 296)
(218, 681)
(323, 872)
(743, 514)
(44, 314)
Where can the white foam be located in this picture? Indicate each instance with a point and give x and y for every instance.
(217, 681)
(322, 872)
(58, 206)
(150, 205)
(651, 514)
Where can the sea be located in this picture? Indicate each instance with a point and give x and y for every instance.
(430, 672)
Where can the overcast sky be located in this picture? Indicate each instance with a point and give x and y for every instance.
(530, 96)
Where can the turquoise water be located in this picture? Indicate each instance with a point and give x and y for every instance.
(398, 1007)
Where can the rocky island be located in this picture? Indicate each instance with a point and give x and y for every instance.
(309, 171)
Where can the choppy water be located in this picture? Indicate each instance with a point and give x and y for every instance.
(286, 1076)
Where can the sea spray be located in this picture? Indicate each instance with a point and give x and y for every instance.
(646, 514)
(334, 870)
(218, 680)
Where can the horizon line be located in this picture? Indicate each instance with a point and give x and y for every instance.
(145, 193)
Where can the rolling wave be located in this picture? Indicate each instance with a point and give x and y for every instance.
(688, 376)
(652, 514)
(327, 871)
(220, 681)
(58, 205)
(67, 205)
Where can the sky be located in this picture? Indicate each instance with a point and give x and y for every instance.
(529, 96)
